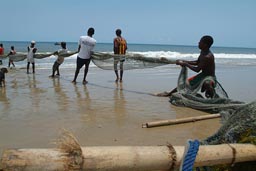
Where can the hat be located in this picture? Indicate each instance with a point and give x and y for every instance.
(33, 42)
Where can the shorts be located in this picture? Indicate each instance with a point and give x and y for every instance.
(120, 59)
(31, 60)
(81, 62)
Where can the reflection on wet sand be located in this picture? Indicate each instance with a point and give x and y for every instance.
(84, 104)
(34, 91)
(61, 97)
(4, 100)
(120, 103)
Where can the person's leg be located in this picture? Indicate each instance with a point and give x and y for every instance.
(33, 67)
(13, 64)
(115, 69)
(79, 65)
(86, 69)
(209, 89)
(53, 69)
(171, 92)
(121, 71)
(58, 71)
(28, 67)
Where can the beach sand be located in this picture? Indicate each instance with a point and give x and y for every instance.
(35, 108)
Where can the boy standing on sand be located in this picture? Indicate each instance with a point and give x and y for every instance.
(120, 47)
(60, 59)
(30, 57)
(85, 47)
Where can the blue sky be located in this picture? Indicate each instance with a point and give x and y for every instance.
(177, 22)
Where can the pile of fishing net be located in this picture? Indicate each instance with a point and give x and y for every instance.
(238, 126)
(238, 118)
(130, 61)
(193, 97)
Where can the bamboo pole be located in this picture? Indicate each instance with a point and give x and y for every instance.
(179, 121)
(125, 158)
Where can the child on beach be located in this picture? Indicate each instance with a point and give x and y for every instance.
(12, 52)
(60, 59)
(1, 52)
(3, 71)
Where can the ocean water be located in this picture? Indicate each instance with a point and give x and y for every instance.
(223, 55)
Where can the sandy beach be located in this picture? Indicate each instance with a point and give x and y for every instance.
(34, 108)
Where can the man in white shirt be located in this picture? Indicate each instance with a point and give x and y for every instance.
(85, 47)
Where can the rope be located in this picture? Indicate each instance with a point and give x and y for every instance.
(189, 155)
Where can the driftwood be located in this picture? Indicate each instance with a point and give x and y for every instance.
(179, 121)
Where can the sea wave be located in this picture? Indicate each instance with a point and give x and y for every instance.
(178, 55)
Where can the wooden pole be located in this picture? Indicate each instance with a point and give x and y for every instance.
(179, 121)
(125, 158)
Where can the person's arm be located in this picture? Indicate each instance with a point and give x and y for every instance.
(195, 68)
(3, 80)
(203, 63)
(193, 65)
(192, 62)
(34, 50)
(115, 48)
(10, 53)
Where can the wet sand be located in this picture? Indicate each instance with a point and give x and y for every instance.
(34, 108)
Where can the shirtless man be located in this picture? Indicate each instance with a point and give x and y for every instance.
(205, 63)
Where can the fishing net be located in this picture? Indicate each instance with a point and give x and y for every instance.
(193, 97)
(238, 126)
(19, 56)
(130, 61)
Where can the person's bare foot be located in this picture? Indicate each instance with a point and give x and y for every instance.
(85, 82)
(74, 82)
(117, 79)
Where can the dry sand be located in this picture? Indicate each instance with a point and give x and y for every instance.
(34, 108)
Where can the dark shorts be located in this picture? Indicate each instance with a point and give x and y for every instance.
(81, 62)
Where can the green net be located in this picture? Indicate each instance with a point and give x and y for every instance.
(19, 56)
(130, 61)
(238, 126)
(193, 97)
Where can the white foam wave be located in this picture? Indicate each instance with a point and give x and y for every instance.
(178, 55)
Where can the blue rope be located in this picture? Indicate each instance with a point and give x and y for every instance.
(190, 155)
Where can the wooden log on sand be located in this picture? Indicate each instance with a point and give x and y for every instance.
(125, 158)
(179, 121)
